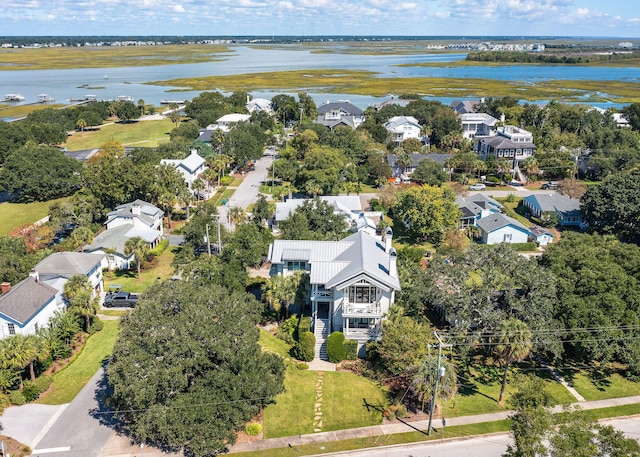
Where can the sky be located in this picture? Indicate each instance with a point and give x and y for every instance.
(606, 18)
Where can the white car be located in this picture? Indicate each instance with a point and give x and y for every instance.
(478, 186)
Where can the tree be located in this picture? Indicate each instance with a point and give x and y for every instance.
(314, 219)
(236, 215)
(249, 244)
(16, 353)
(632, 114)
(262, 211)
(571, 188)
(513, 345)
(614, 206)
(78, 294)
(404, 345)
(426, 211)
(191, 386)
(430, 172)
(126, 111)
(198, 186)
(81, 124)
(40, 173)
(425, 380)
(139, 248)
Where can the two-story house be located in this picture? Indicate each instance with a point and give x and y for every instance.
(353, 282)
(511, 143)
(475, 207)
(190, 167)
(130, 220)
(340, 114)
(56, 269)
(402, 128)
(259, 104)
(477, 124)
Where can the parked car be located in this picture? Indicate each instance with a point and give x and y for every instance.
(477, 186)
(121, 300)
(550, 185)
(516, 184)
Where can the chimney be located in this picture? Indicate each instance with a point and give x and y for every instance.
(34, 274)
(393, 263)
(194, 151)
(5, 287)
(135, 209)
(388, 236)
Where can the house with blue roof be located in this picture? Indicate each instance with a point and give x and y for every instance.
(353, 283)
(26, 307)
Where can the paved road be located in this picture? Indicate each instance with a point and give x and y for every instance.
(517, 191)
(481, 446)
(79, 429)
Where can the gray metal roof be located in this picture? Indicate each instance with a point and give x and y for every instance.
(116, 237)
(498, 221)
(345, 106)
(562, 204)
(67, 264)
(335, 262)
(398, 121)
(501, 142)
(26, 299)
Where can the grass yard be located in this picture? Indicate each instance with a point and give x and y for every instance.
(68, 382)
(597, 384)
(130, 281)
(514, 210)
(222, 194)
(141, 133)
(14, 215)
(270, 343)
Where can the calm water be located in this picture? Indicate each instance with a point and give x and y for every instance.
(76, 83)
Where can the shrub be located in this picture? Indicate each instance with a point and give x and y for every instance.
(287, 329)
(43, 382)
(30, 391)
(305, 348)
(96, 326)
(4, 402)
(302, 366)
(335, 347)
(253, 429)
(304, 325)
(523, 247)
(60, 350)
(350, 349)
(160, 248)
(226, 180)
(16, 397)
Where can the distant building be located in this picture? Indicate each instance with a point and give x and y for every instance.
(340, 113)
(566, 209)
(465, 106)
(259, 104)
(190, 167)
(509, 142)
(498, 228)
(402, 128)
(477, 124)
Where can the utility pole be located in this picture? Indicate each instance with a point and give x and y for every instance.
(219, 239)
(208, 240)
(439, 374)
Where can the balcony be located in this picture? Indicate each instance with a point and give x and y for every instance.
(369, 333)
(361, 309)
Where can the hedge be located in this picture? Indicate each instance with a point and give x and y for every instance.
(524, 247)
(304, 325)
(350, 349)
(305, 348)
(160, 248)
(335, 347)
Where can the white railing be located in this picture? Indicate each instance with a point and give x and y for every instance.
(361, 333)
(361, 309)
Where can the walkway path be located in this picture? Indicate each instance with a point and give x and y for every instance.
(399, 427)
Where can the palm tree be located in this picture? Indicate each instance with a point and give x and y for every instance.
(81, 124)
(64, 326)
(86, 306)
(530, 166)
(403, 158)
(272, 292)
(236, 215)
(218, 136)
(167, 201)
(514, 345)
(198, 186)
(290, 289)
(7, 379)
(141, 106)
(175, 117)
(76, 285)
(425, 380)
(17, 352)
(139, 248)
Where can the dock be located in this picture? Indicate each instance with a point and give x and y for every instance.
(172, 102)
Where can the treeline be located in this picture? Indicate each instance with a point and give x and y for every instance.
(538, 57)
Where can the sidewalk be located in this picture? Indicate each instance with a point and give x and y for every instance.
(399, 427)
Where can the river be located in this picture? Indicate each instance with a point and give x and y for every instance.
(108, 83)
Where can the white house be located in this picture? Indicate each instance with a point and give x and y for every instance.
(477, 124)
(56, 269)
(465, 106)
(402, 128)
(353, 282)
(541, 235)
(226, 122)
(130, 220)
(499, 228)
(190, 167)
(259, 104)
(26, 307)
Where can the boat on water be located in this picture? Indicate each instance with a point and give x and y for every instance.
(86, 98)
(124, 98)
(44, 98)
(14, 98)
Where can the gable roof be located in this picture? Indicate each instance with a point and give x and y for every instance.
(398, 121)
(464, 106)
(235, 117)
(562, 204)
(191, 163)
(484, 118)
(346, 121)
(501, 142)
(335, 262)
(474, 205)
(344, 106)
(67, 264)
(148, 212)
(498, 221)
(115, 238)
(537, 231)
(25, 300)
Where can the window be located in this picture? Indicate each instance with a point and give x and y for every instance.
(296, 265)
(507, 237)
(362, 294)
(12, 329)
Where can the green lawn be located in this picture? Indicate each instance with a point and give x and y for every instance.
(130, 281)
(514, 210)
(597, 384)
(142, 133)
(14, 215)
(68, 382)
(222, 194)
(273, 344)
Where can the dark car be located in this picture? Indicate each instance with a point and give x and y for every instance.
(121, 300)
(549, 185)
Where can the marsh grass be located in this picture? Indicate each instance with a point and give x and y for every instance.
(108, 56)
(362, 82)
(14, 112)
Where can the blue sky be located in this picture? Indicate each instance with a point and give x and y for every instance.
(614, 18)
